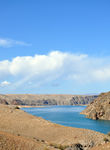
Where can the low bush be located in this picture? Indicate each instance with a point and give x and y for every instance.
(108, 133)
(106, 140)
(59, 146)
(16, 107)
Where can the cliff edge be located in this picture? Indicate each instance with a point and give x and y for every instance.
(99, 108)
(36, 99)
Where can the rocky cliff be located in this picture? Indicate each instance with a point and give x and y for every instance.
(99, 108)
(34, 100)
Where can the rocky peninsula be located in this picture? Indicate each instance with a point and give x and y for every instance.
(99, 108)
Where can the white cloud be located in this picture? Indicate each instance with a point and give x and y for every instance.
(4, 68)
(10, 43)
(41, 69)
(4, 83)
(102, 74)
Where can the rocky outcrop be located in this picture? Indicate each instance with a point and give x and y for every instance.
(75, 147)
(35, 100)
(16, 102)
(3, 101)
(104, 146)
(99, 108)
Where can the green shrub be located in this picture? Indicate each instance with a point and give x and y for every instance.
(17, 107)
(62, 147)
(59, 146)
(106, 140)
(42, 141)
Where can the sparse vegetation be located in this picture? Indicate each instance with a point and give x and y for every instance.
(43, 141)
(27, 131)
(62, 147)
(16, 107)
(108, 133)
(59, 146)
(78, 145)
(18, 134)
(46, 148)
(106, 140)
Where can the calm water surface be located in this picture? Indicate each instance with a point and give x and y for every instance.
(69, 116)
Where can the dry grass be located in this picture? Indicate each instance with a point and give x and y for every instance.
(102, 147)
(12, 142)
(26, 128)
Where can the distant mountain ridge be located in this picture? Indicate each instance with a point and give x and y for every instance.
(99, 108)
(36, 99)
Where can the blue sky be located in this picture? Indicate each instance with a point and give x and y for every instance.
(54, 46)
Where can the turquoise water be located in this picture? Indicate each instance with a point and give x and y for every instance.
(69, 116)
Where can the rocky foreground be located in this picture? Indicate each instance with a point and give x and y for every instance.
(99, 108)
(35, 100)
(22, 131)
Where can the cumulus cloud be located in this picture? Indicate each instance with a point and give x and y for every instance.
(41, 69)
(10, 43)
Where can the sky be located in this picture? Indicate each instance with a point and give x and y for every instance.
(54, 46)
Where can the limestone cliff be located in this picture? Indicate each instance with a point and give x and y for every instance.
(99, 108)
(33, 100)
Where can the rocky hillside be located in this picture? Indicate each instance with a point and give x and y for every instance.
(105, 146)
(99, 108)
(22, 131)
(33, 100)
(9, 141)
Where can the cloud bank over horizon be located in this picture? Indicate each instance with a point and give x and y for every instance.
(35, 71)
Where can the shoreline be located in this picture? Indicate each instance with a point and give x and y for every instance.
(28, 106)
(64, 122)
(19, 123)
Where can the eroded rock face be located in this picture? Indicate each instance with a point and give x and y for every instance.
(3, 101)
(17, 102)
(33, 100)
(100, 108)
(75, 147)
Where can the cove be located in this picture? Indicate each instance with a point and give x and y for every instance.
(69, 116)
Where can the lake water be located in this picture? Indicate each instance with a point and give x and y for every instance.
(69, 116)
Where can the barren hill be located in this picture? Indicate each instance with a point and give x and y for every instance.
(10, 141)
(33, 100)
(99, 108)
(105, 146)
(22, 131)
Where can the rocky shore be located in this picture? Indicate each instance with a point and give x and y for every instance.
(99, 108)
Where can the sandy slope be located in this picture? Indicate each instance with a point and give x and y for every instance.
(102, 147)
(11, 142)
(23, 125)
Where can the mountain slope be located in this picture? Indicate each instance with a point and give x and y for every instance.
(24, 130)
(99, 108)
